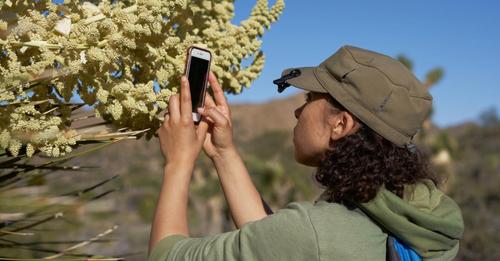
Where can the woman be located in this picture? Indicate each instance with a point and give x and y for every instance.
(361, 113)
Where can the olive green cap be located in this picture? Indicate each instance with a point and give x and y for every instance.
(379, 90)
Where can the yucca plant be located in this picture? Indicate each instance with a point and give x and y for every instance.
(123, 59)
(30, 209)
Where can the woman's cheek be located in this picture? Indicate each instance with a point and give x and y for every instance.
(302, 147)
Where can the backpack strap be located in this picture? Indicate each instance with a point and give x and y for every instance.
(405, 252)
(391, 252)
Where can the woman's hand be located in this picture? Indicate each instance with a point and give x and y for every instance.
(180, 140)
(219, 138)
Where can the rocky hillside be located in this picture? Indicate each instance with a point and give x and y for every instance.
(253, 119)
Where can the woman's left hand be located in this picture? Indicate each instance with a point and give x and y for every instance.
(180, 140)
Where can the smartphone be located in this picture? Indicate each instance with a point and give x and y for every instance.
(197, 68)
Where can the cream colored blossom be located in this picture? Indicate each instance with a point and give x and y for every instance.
(3, 25)
(111, 53)
(30, 150)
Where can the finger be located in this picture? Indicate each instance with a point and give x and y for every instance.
(216, 116)
(220, 98)
(205, 117)
(209, 122)
(209, 101)
(162, 114)
(173, 106)
(201, 130)
(186, 107)
(166, 117)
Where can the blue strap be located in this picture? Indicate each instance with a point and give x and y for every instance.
(405, 252)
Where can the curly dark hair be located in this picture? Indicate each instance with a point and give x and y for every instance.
(360, 163)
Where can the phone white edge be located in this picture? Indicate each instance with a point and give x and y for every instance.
(196, 116)
(202, 54)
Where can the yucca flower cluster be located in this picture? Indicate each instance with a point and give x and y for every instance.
(124, 58)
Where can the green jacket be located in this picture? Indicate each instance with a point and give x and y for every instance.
(426, 219)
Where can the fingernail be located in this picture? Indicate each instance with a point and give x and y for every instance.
(200, 110)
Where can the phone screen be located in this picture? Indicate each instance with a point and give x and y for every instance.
(198, 69)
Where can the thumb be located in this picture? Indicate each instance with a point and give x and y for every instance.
(201, 130)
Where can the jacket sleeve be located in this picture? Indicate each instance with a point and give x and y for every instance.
(285, 235)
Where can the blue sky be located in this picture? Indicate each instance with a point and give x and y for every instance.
(463, 37)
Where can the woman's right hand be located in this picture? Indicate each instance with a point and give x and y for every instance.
(219, 138)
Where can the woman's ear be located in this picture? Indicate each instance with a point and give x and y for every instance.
(342, 124)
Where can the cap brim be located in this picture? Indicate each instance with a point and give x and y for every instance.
(306, 80)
